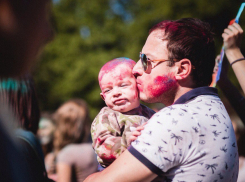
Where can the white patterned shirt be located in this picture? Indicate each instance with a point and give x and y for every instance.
(191, 140)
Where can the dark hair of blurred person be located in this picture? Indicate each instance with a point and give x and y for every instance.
(24, 28)
(20, 94)
(75, 158)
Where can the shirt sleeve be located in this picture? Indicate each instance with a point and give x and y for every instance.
(106, 135)
(165, 141)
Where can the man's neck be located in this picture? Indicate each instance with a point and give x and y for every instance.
(181, 91)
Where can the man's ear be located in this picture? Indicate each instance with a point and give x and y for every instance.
(102, 96)
(184, 67)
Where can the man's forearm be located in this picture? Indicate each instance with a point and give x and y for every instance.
(125, 168)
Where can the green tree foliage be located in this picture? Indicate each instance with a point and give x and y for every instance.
(90, 33)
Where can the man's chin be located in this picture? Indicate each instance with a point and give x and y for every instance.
(145, 98)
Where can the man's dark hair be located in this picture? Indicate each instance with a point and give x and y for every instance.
(192, 39)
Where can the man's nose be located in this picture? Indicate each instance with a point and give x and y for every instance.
(137, 70)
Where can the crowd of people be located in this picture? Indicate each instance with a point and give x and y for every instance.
(192, 138)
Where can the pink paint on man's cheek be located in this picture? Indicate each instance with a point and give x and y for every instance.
(162, 84)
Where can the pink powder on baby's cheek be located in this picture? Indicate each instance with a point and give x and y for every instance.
(162, 84)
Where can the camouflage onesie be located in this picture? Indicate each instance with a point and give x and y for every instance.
(110, 131)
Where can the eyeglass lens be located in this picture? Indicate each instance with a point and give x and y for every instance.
(143, 59)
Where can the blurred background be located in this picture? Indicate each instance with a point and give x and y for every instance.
(90, 33)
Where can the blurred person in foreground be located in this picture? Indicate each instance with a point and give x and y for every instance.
(20, 96)
(73, 153)
(183, 141)
(24, 29)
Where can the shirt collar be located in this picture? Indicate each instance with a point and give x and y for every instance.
(196, 92)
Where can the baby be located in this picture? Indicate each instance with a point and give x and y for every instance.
(111, 129)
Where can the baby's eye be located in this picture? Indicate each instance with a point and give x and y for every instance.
(106, 91)
(124, 84)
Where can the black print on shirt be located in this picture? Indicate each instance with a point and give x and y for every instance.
(215, 157)
(174, 122)
(177, 138)
(147, 143)
(212, 167)
(202, 175)
(220, 176)
(160, 149)
(225, 138)
(215, 116)
(223, 149)
(165, 158)
(184, 110)
(159, 122)
(226, 166)
(183, 131)
(216, 133)
(195, 129)
(171, 108)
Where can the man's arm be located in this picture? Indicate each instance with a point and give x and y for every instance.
(125, 168)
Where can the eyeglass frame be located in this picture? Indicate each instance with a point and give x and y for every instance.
(147, 60)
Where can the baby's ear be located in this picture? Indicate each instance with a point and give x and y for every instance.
(102, 96)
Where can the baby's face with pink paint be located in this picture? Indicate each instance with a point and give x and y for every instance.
(118, 86)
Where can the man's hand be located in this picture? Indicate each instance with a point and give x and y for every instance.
(136, 132)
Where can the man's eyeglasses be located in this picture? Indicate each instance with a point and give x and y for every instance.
(145, 61)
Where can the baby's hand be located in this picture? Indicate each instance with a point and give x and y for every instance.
(136, 132)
